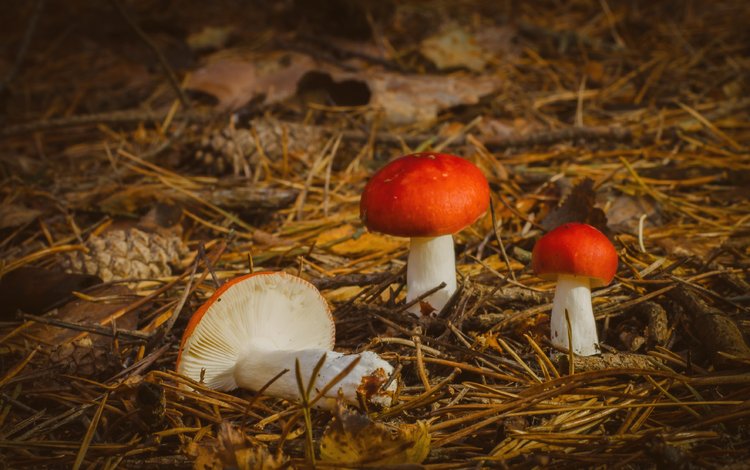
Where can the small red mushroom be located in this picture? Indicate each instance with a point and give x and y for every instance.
(579, 257)
(427, 197)
(258, 325)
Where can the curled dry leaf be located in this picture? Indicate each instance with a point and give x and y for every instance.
(235, 80)
(354, 440)
(233, 449)
(403, 99)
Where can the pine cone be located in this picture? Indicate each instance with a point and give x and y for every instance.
(236, 150)
(126, 254)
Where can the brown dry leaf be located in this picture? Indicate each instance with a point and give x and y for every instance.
(406, 99)
(76, 352)
(489, 340)
(13, 215)
(498, 41)
(578, 207)
(625, 211)
(234, 450)
(357, 244)
(454, 47)
(688, 245)
(79, 311)
(353, 440)
(235, 79)
(36, 290)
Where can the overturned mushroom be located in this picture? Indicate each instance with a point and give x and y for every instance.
(258, 325)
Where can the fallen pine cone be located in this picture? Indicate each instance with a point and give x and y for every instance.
(128, 254)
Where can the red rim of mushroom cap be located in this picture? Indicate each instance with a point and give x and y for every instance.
(576, 249)
(424, 195)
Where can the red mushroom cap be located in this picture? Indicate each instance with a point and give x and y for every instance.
(424, 195)
(576, 249)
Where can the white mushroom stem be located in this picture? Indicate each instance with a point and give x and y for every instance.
(573, 293)
(431, 261)
(257, 366)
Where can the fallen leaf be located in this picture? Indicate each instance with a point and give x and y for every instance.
(353, 440)
(74, 352)
(36, 290)
(85, 312)
(353, 243)
(498, 41)
(234, 79)
(233, 449)
(493, 262)
(405, 99)
(625, 211)
(342, 294)
(579, 206)
(454, 47)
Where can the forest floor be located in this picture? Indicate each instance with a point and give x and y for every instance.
(151, 150)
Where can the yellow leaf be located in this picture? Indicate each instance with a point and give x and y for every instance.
(342, 294)
(493, 262)
(353, 439)
(346, 241)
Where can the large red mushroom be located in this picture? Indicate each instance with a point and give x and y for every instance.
(578, 257)
(427, 197)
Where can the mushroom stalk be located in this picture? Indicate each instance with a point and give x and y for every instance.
(256, 367)
(573, 293)
(431, 261)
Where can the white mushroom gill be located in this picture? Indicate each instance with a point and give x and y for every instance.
(258, 327)
(431, 261)
(573, 293)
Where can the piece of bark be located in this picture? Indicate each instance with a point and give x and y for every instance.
(716, 331)
(618, 360)
(657, 323)
(249, 198)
